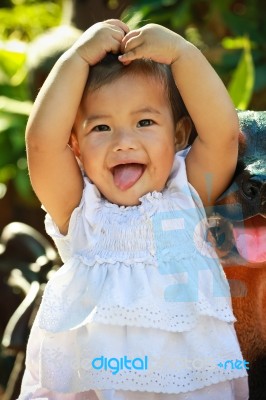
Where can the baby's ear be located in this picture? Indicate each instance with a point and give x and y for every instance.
(73, 143)
(182, 133)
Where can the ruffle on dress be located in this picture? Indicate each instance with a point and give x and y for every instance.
(123, 294)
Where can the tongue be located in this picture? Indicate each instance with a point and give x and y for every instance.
(251, 240)
(126, 175)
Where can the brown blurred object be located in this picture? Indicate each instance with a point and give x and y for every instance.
(85, 13)
(238, 227)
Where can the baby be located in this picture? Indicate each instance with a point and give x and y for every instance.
(140, 289)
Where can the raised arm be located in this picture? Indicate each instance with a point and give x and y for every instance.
(54, 171)
(212, 159)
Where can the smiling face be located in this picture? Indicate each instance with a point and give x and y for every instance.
(125, 138)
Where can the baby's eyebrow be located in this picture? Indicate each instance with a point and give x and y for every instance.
(149, 110)
(93, 118)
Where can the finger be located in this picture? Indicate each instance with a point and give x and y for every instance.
(131, 55)
(119, 24)
(128, 38)
(131, 34)
(114, 46)
(117, 33)
(111, 47)
(125, 62)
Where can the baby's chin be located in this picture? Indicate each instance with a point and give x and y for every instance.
(132, 196)
(126, 198)
(123, 202)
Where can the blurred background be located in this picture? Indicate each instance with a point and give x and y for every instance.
(231, 34)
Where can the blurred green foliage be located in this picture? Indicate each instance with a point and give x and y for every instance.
(25, 19)
(20, 22)
(231, 33)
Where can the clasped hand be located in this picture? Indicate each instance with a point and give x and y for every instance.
(113, 36)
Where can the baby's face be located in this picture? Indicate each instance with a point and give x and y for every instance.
(125, 138)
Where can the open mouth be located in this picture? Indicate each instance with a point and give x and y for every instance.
(245, 239)
(250, 239)
(126, 175)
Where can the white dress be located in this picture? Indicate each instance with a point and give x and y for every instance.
(141, 307)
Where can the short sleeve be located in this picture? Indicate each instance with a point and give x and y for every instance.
(178, 181)
(81, 224)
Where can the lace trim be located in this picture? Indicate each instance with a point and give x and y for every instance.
(168, 383)
(157, 382)
(180, 317)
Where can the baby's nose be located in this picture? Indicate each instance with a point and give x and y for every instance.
(125, 140)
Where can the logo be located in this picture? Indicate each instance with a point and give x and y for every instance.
(234, 364)
(208, 363)
(115, 365)
(118, 364)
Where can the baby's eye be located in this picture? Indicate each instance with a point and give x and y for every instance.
(101, 128)
(144, 122)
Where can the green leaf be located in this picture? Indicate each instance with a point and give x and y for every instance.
(12, 56)
(12, 106)
(242, 83)
(5, 122)
(239, 42)
(133, 20)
